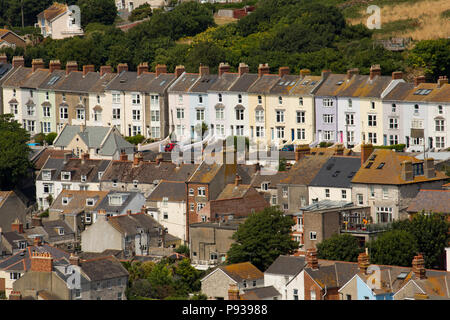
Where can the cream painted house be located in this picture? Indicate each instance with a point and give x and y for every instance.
(60, 21)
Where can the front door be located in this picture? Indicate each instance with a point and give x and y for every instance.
(292, 134)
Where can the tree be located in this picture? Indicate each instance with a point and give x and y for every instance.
(141, 12)
(140, 288)
(431, 233)
(183, 249)
(49, 138)
(342, 247)
(14, 151)
(135, 139)
(282, 165)
(262, 238)
(188, 278)
(161, 280)
(433, 56)
(394, 247)
(102, 11)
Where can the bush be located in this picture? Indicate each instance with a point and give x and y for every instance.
(135, 139)
(39, 138)
(325, 144)
(44, 214)
(183, 249)
(49, 138)
(396, 147)
(344, 247)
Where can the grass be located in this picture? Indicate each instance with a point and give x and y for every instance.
(420, 20)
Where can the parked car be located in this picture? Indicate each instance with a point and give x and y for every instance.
(169, 147)
(288, 147)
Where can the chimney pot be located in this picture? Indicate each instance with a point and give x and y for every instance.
(397, 75)
(352, 72)
(263, 69)
(243, 68)
(88, 68)
(54, 65)
(375, 70)
(160, 69)
(304, 72)
(74, 260)
(223, 67)
(418, 267)
(418, 80)
(37, 64)
(122, 67)
(3, 59)
(203, 70)
(237, 180)
(71, 66)
(282, 71)
(363, 262)
(104, 70)
(142, 67)
(179, 70)
(442, 80)
(143, 209)
(138, 158)
(18, 61)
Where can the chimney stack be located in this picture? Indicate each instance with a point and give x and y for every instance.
(352, 72)
(88, 68)
(179, 70)
(138, 158)
(406, 170)
(203, 70)
(142, 67)
(71, 66)
(67, 156)
(233, 292)
(17, 226)
(366, 151)
(418, 80)
(54, 65)
(143, 209)
(325, 74)
(363, 262)
(418, 266)
(129, 212)
(104, 70)
(223, 67)
(237, 180)
(36, 221)
(41, 262)
(160, 69)
(18, 61)
(282, 71)
(74, 260)
(397, 75)
(84, 157)
(123, 156)
(243, 68)
(159, 159)
(37, 64)
(311, 259)
(301, 151)
(428, 168)
(3, 59)
(375, 70)
(122, 67)
(442, 80)
(304, 72)
(263, 69)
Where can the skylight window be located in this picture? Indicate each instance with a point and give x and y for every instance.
(53, 80)
(381, 165)
(336, 173)
(281, 83)
(313, 83)
(373, 157)
(339, 83)
(331, 165)
(402, 275)
(369, 165)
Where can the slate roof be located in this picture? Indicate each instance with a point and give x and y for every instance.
(77, 201)
(287, 265)
(305, 170)
(408, 92)
(285, 84)
(264, 84)
(184, 82)
(390, 172)
(13, 238)
(128, 224)
(50, 228)
(46, 154)
(243, 83)
(130, 81)
(174, 191)
(17, 77)
(103, 268)
(305, 85)
(224, 82)
(75, 81)
(21, 261)
(329, 86)
(242, 271)
(104, 204)
(232, 191)
(204, 83)
(161, 83)
(260, 293)
(4, 69)
(333, 274)
(337, 172)
(34, 79)
(431, 200)
(52, 80)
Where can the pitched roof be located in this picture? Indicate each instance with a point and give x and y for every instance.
(46, 154)
(285, 84)
(184, 82)
(129, 223)
(337, 172)
(17, 77)
(363, 86)
(224, 82)
(204, 83)
(34, 79)
(305, 85)
(53, 11)
(173, 190)
(431, 200)
(77, 201)
(103, 268)
(264, 83)
(287, 265)
(332, 274)
(21, 261)
(205, 173)
(131, 81)
(52, 79)
(243, 83)
(409, 93)
(386, 169)
(304, 170)
(127, 197)
(260, 293)
(330, 86)
(242, 271)
(232, 191)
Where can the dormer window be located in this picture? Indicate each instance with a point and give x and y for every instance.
(135, 183)
(265, 186)
(65, 201)
(46, 175)
(60, 231)
(90, 202)
(65, 176)
(116, 199)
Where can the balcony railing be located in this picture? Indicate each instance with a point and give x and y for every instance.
(364, 228)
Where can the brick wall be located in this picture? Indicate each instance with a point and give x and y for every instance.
(310, 285)
(41, 262)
